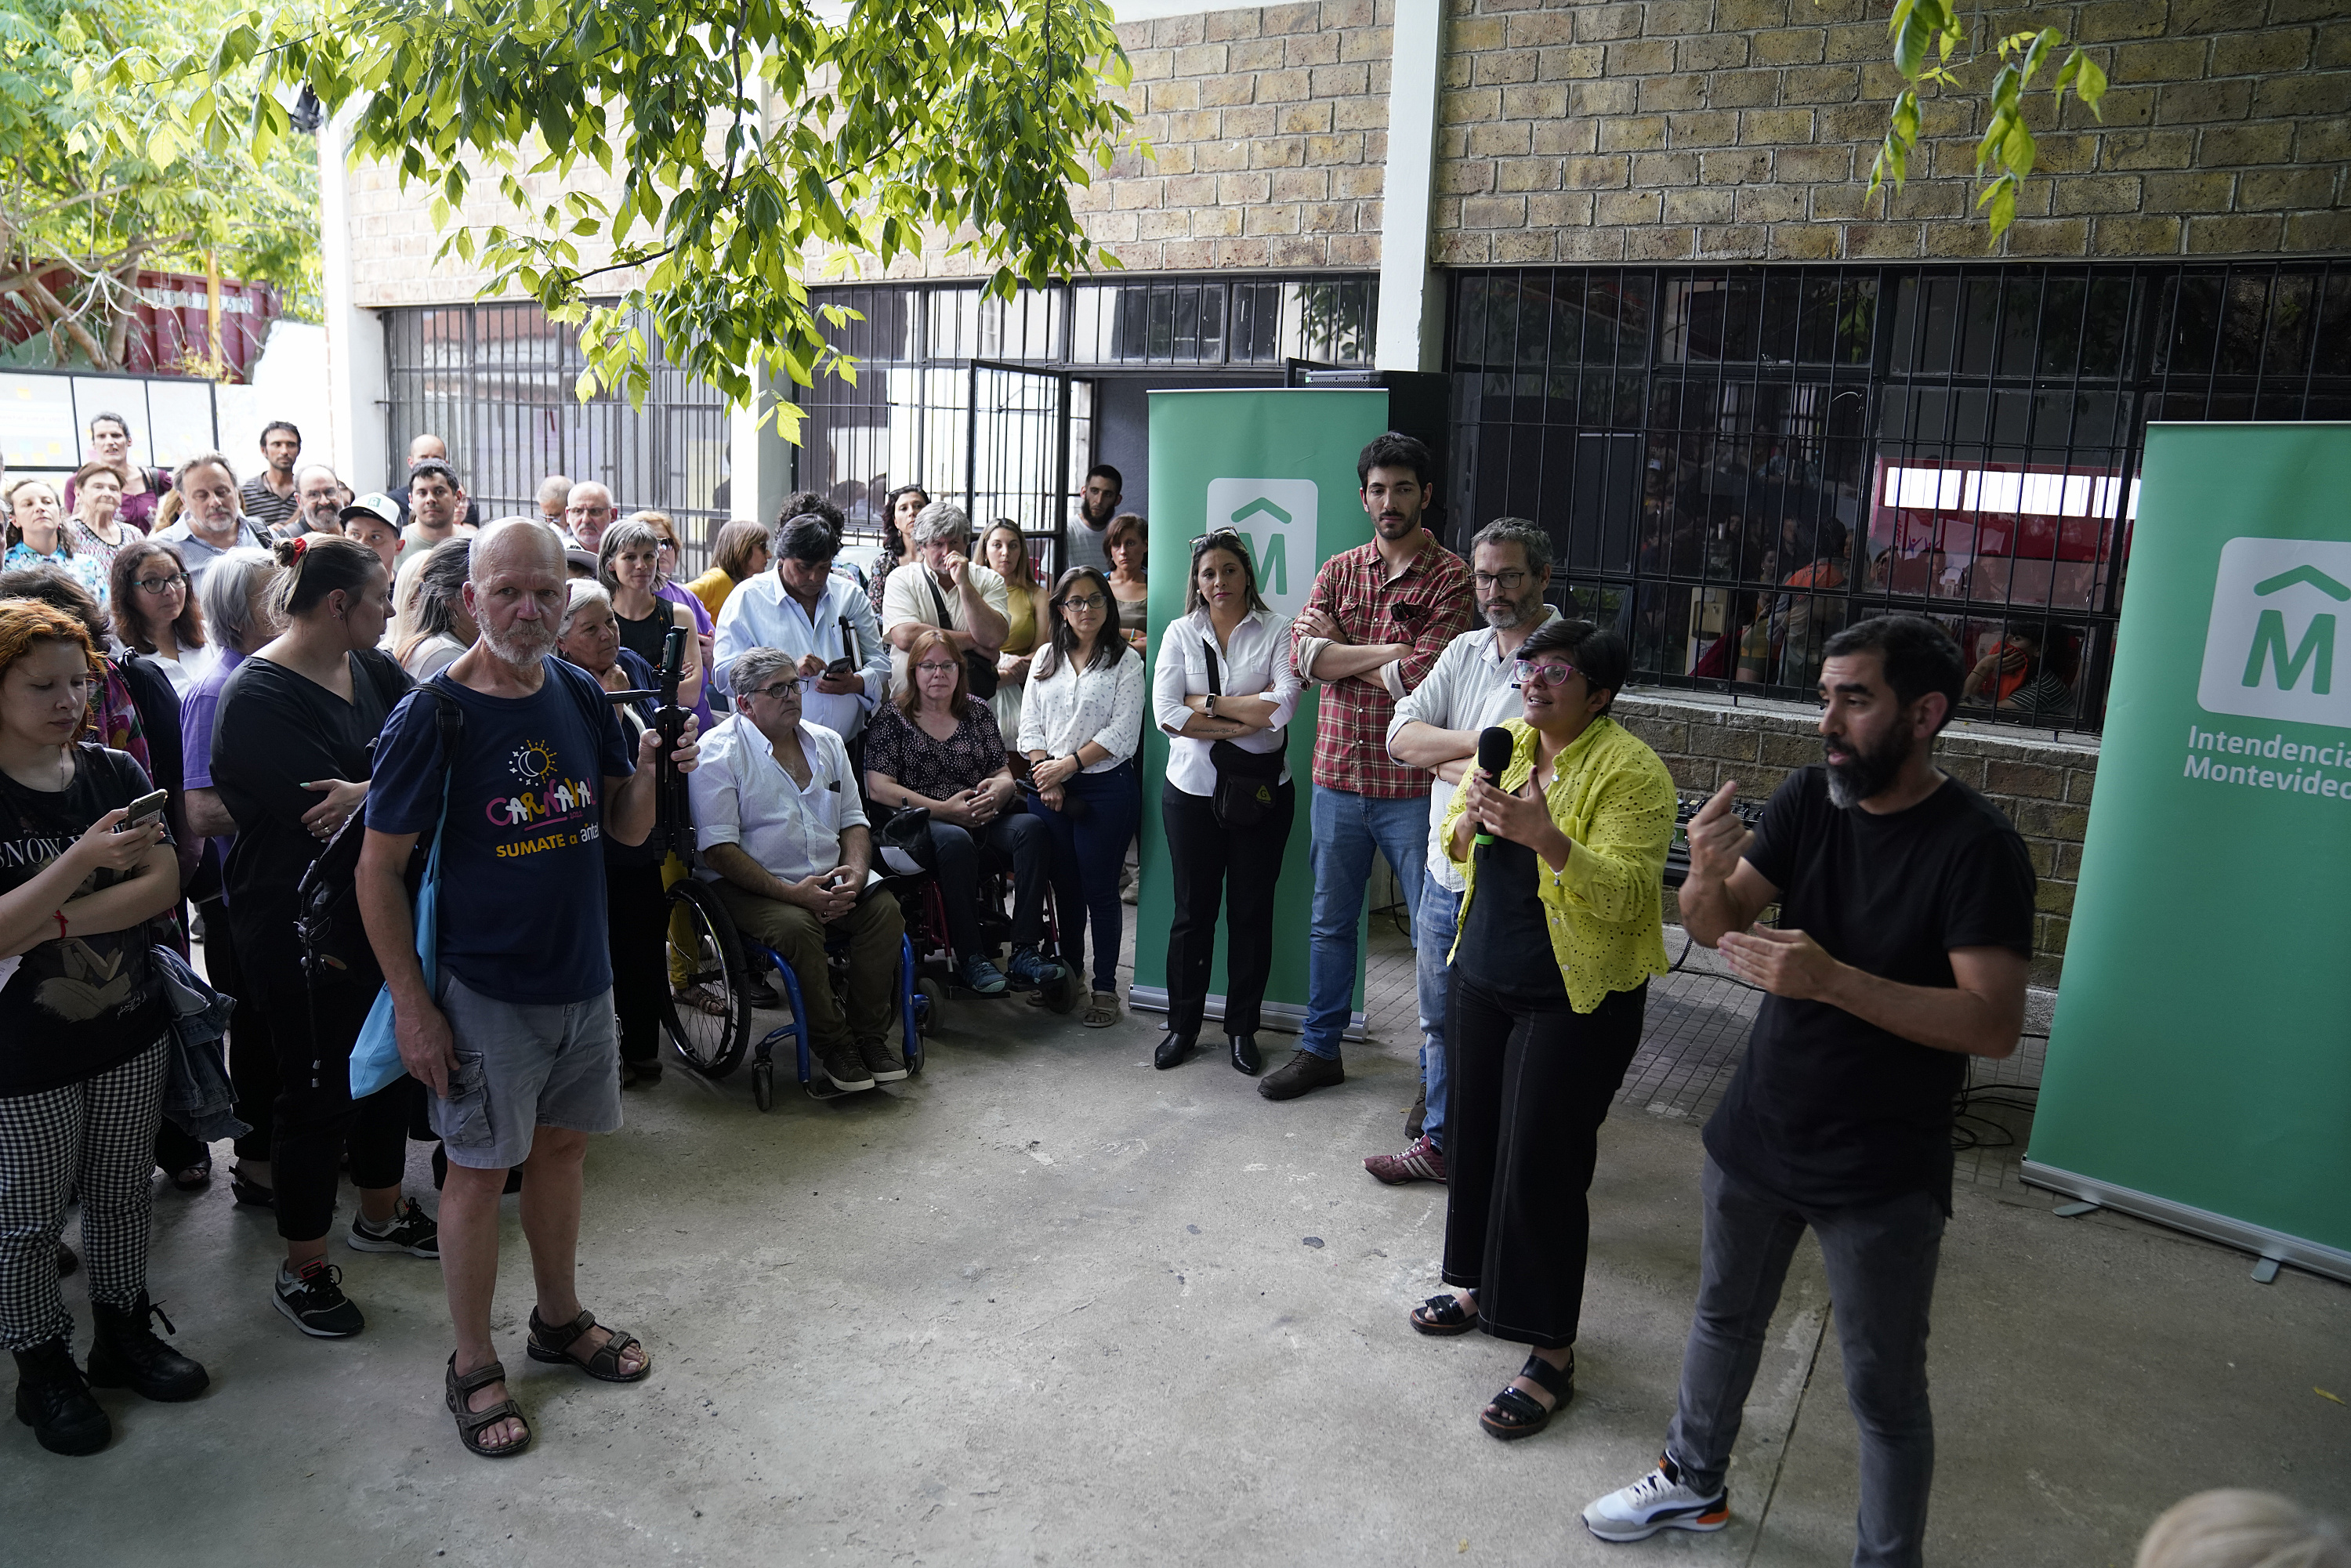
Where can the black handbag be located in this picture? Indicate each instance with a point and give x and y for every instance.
(1246, 779)
(979, 669)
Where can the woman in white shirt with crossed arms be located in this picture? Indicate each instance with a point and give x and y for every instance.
(1224, 690)
(1079, 723)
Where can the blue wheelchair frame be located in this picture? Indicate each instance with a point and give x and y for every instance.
(911, 1009)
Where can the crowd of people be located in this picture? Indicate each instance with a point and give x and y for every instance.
(257, 666)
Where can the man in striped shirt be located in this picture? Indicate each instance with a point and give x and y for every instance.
(1379, 616)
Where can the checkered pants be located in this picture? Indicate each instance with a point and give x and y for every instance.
(96, 1138)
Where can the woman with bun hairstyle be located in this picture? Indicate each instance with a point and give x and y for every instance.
(292, 750)
(84, 1028)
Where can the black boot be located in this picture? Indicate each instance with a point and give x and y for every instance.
(1172, 1049)
(53, 1399)
(127, 1355)
(1245, 1056)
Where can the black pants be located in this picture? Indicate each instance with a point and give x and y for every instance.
(1210, 864)
(313, 1031)
(636, 931)
(1530, 1085)
(1019, 841)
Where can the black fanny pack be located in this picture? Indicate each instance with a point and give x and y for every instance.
(1246, 779)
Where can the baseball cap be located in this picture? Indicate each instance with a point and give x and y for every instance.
(374, 503)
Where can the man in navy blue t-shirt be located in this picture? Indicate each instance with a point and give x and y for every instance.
(1905, 923)
(516, 1041)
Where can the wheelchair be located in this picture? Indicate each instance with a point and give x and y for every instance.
(899, 857)
(711, 972)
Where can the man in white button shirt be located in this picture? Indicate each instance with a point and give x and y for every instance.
(941, 587)
(779, 825)
(800, 608)
(1436, 727)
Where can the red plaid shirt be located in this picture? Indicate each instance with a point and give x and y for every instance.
(1428, 605)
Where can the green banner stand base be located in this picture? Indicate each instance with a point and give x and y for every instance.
(1283, 1017)
(2273, 1245)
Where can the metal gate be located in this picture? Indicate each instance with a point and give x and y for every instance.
(1026, 450)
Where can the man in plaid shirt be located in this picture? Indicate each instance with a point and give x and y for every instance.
(1379, 616)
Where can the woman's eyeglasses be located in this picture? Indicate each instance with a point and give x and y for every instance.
(159, 586)
(932, 667)
(1549, 672)
(1084, 602)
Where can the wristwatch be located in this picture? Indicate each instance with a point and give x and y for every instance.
(1210, 706)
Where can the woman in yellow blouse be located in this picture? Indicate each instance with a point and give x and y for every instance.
(1561, 929)
(1004, 550)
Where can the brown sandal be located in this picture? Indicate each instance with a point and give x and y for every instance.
(549, 1343)
(471, 1422)
(1102, 1010)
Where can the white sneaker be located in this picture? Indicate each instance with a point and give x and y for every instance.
(1658, 1500)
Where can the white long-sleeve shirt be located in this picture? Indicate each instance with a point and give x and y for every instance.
(760, 614)
(1071, 707)
(1470, 686)
(1254, 663)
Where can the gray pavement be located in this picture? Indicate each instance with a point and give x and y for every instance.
(1044, 1305)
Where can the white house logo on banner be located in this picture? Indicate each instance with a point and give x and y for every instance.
(1277, 519)
(2277, 644)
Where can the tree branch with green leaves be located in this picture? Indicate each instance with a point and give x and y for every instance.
(1926, 35)
(743, 138)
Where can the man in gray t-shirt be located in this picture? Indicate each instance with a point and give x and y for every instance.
(1472, 685)
(1097, 504)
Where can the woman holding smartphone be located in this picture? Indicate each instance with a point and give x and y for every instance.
(84, 1034)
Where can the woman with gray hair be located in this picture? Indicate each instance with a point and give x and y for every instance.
(941, 586)
(438, 626)
(235, 598)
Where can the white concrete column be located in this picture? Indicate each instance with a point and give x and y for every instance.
(356, 384)
(758, 464)
(1411, 306)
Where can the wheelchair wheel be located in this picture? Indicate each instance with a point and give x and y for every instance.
(1064, 994)
(763, 1085)
(709, 1020)
(931, 995)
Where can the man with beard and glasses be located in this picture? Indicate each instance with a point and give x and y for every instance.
(1377, 619)
(516, 1041)
(322, 500)
(1906, 922)
(1436, 727)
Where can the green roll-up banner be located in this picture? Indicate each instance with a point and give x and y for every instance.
(1277, 465)
(2199, 1066)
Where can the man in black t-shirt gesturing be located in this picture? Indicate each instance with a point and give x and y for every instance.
(1905, 922)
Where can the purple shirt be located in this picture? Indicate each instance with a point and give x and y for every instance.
(702, 625)
(196, 710)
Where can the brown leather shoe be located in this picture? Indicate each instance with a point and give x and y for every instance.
(1302, 1072)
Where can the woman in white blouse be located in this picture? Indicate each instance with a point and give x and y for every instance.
(1225, 690)
(1079, 726)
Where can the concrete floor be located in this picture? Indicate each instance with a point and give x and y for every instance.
(1044, 1305)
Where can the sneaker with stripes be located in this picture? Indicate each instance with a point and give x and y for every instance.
(1658, 1500)
(1422, 1162)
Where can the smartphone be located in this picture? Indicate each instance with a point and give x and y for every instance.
(144, 809)
(839, 667)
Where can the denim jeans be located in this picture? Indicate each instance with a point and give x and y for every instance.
(1087, 854)
(1347, 827)
(1432, 945)
(1881, 1266)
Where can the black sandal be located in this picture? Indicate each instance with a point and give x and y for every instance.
(471, 1422)
(1514, 1414)
(250, 1194)
(1444, 1314)
(194, 1178)
(549, 1343)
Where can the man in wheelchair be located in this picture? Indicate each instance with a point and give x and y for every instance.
(779, 825)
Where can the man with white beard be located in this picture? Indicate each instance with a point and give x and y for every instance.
(516, 1041)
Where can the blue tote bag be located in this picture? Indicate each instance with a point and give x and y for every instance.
(375, 1056)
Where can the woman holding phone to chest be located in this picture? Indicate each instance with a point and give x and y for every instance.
(1224, 690)
(1560, 928)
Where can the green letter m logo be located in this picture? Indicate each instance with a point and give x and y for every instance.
(2270, 647)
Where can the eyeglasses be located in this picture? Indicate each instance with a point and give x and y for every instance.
(778, 691)
(1548, 673)
(1408, 611)
(1224, 539)
(1508, 582)
(1084, 602)
(932, 667)
(159, 586)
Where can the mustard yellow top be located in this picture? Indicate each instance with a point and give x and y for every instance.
(1614, 800)
(1021, 618)
(712, 588)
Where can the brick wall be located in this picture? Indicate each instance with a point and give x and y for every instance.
(1664, 129)
(1270, 131)
(393, 240)
(2043, 785)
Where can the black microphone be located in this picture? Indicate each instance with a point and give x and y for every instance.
(1494, 748)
